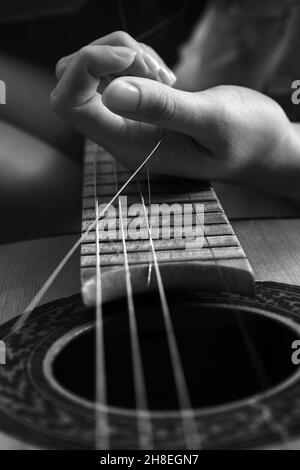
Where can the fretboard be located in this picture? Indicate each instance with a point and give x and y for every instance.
(216, 263)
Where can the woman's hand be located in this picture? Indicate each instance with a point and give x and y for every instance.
(119, 93)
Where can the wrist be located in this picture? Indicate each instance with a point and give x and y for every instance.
(277, 169)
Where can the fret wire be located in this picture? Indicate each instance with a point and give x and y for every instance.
(115, 246)
(210, 231)
(166, 256)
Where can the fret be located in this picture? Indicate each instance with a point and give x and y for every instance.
(110, 247)
(209, 218)
(239, 268)
(208, 230)
(188, 210)
(88, 202)
(106, 171)
(166, 256)
(93, 149)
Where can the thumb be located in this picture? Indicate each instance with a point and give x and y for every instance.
(149, 101)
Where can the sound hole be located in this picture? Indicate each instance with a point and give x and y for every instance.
(219, 365)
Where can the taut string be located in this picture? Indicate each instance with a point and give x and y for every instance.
(265, 410)
(40, 294)
(102, 440)
(150, 222)
(142, 409)
(191, 434)
(262, 375)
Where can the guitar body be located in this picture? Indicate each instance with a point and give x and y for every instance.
(272, 248)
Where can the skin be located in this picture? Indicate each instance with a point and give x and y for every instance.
(226, 133)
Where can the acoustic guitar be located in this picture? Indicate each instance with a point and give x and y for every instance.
(153, 342)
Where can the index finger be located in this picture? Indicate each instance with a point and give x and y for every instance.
(77, 100)
(81, 79)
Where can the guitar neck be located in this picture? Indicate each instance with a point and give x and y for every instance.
(179, 209)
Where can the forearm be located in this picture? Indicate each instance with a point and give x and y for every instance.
(279, 172)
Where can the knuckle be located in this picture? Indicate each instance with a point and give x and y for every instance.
(221, 118)
(145, 47)
(164, 107)
(124, 38)
(85, 53)
(56, 104)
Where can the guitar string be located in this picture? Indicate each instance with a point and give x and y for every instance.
(102, 439)
(190, 428)
(40, 294)
(143, 415)
(262, 375)
(277, 427)
(150, 224)
(188, 418)
(47, 284)
(192, 437)
(152, 247)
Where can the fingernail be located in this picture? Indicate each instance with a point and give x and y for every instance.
(124, 53)
(122, 96)
(166, 76)
(152, 63)
(173, 77)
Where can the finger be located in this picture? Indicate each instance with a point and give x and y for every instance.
(143, 100)
(148, 63)
(62, 64)
(117, 38)
(153, 53)
(82, 76)
(153, 62)
(167, 76)
(138, 66)
(76, 98)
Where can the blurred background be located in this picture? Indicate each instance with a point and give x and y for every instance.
(42, 34)
(40, 155)
(252, 43)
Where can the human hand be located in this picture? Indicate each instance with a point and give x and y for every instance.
(224, 133)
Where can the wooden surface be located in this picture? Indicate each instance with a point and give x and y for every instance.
(273, 248)
(25, 266)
